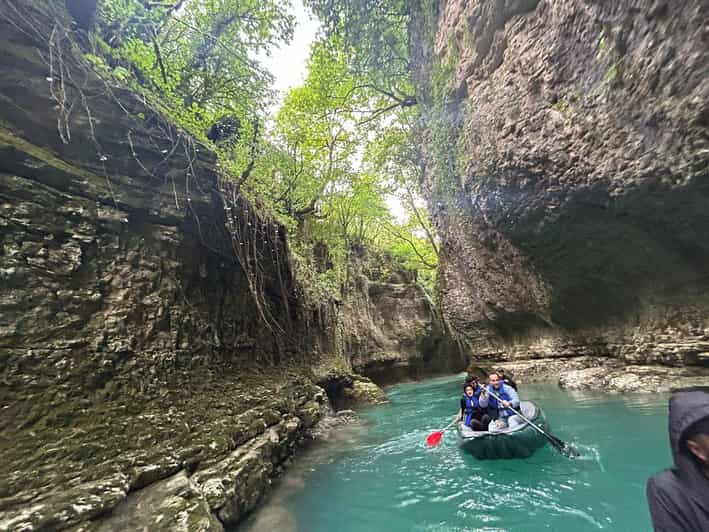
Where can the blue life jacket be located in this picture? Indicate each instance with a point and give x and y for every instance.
(471, 405)
(494, 409)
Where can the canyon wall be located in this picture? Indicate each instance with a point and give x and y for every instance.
(567, 154)
(139, 292)
(160, 361)
(394, 330)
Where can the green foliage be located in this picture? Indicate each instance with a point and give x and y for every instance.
(376, 33)
(613, 73)
(410, 244)
(313, 142)
(355, 213)
(97, 62)
(196, 57)
(366, 75)
(340, 146)
(602, 46)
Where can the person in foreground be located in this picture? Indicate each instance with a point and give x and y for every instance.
(471, 414)
(500, 412)
(679, 497)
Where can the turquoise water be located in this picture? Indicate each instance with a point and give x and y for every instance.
(383, 477)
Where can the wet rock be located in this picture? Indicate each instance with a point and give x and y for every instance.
(343, 423)
(171, 504)
(310, 413)
(148, 474)
(551, 369)
(364, 392)
(634, 378)
(346, 390)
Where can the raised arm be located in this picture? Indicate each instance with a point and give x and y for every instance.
(483, 399)
(514, 397)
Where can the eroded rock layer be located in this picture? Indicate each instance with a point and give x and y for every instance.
(394, 331)
(567, 155)
(138, 294)
(158, 357)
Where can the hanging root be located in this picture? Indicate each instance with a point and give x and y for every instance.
(74, 83)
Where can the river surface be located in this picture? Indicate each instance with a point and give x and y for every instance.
(380, 476)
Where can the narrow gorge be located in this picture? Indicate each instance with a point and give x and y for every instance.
(163, 354)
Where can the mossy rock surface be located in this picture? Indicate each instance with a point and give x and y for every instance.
(213, 430)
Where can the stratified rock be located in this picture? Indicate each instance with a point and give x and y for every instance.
(633, 378)
(173, 504)
(566, 148)
(365, 392)
(392, 330)
(552, 369)
(133, 349)
(347, 390)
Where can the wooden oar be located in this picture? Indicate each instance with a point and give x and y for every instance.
(435, 437)
(563, 447)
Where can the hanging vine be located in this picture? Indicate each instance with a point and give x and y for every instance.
(74, 83)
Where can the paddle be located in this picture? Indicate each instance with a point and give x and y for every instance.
(564, 448)
(435, 437)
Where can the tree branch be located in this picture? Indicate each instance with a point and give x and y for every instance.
(254, 149)
(424, 226)
(158, 54)
(412, 244)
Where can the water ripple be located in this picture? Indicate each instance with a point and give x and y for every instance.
(388, 479)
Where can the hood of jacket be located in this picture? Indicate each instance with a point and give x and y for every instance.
(686, 408)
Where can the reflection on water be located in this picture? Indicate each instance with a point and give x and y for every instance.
(384, 477)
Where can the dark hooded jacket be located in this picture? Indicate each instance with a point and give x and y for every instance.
(679, 497)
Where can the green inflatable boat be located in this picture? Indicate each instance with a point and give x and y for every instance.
(518, 442)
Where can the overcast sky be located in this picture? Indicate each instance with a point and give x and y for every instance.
(288, 66)
(288, 63)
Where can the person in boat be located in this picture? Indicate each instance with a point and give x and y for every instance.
(679, 497)
(506, 379)
(501, 414)
(471, 414)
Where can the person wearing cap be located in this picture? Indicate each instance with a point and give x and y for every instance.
(679, 497)
(505, 378)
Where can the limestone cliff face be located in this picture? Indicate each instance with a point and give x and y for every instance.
(393, 330)
(567, 155)
(158, 357)
(137, 291)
